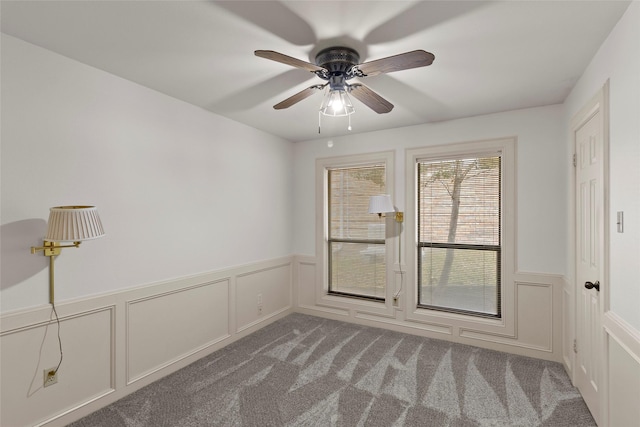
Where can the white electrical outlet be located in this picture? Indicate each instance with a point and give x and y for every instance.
(259, 304)
(50, 377)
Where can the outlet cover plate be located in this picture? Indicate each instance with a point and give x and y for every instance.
(50, 377)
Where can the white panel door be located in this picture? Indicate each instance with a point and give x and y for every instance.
(589, 258)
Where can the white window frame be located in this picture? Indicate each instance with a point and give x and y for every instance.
(339, 303)
(467, 325)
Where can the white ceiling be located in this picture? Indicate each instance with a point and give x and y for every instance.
(490, 56)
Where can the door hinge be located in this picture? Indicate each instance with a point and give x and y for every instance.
(575, 346)
(575, 160)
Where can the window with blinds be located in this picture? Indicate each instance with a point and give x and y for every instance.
(356, 238)
(459, 236)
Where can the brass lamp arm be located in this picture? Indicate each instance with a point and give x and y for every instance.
(51, 248)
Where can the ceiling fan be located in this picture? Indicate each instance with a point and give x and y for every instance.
(336, 65)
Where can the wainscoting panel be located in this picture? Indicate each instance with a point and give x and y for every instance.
(535, 315)
(263, 292)
(623, 365)
(85, 374)
(536, 304)
(164, 328)
(306, 278)
(568, 320)
(534, 320)
(117, 343)
(624, 386)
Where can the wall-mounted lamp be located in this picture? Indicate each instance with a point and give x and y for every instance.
(68, 224)
(382, 204)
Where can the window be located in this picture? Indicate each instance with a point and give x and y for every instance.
(356, 252)
(459, 220)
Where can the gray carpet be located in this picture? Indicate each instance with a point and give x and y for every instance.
(308, 371)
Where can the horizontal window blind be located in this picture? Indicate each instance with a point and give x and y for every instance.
(349, 194)
(355, 237)
(459, 217)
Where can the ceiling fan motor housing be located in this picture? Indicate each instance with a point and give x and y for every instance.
(340, 63)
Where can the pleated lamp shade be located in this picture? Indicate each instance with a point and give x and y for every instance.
(74, 224)
(380, 204)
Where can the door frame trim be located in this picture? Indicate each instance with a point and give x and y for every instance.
(599, 102)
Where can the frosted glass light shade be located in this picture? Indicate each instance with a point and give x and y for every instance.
(380, 204)
(74, 224)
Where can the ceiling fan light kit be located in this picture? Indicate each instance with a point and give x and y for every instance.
(337, 103)
(337, 65)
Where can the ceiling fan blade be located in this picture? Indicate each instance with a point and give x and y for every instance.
(403, 61)
(370, 98)
(288, 60)
(298, 97)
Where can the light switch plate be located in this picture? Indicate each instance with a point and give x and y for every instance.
(620, 221)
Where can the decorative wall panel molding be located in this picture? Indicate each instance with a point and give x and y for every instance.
(116, 343)
(623, 367)
(167, 327)
(85, 374)
(536, 304)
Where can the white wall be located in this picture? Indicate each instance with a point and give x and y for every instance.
(540, 259)
(180, 191)
(618, 61)
(541, 184)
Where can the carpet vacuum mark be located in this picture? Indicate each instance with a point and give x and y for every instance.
(308, 371)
